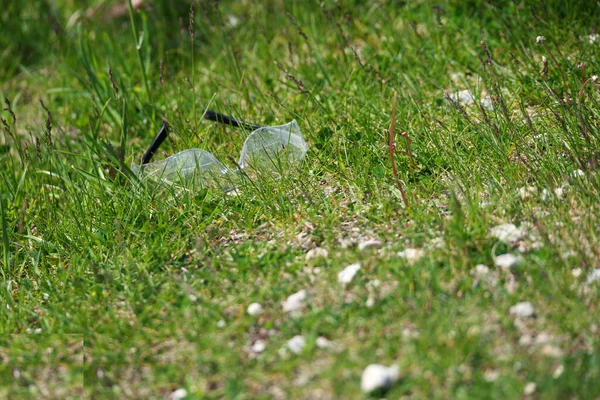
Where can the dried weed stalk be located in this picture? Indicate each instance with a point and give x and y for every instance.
(391, 148)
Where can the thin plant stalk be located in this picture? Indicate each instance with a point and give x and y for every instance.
(138, 48)
(391, 148)
(6, 252)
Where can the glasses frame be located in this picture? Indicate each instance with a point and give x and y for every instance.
(209, 115)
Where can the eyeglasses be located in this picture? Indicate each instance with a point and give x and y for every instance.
(266, 148)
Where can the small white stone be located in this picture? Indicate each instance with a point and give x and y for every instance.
(437, 243)
(546, 195)
(480, 271)
(537, 245)
(411, 255)
(560, 191)
(347, 274)
(526, 192)
(322, 342)
(552, 351)
(567, 254)
(577, 173)
(254, 309)
(296, 344)
(464, 97)
(304, 240)
(593, 276)
(375, 283)
(487, 104)
(543, 338)
(370, 302)
(234, 193)
(369, 244)
(409, 333)
(491, 375)
(457, 76)
(178, 394)
(529, 389)
(220, 324)
(526, 340)
(378, 377)
(233, 21)
(259, 346)
(507, 233)
(558, 371)
(295, 302)
(507, 261)
(523, 309)
(576, 272)
(540, 39)
(317, 252)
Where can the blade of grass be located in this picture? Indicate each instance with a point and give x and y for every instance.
(138, 49)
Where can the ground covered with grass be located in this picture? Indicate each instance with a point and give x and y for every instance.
(473, 270)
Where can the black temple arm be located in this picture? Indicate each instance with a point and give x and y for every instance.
(160, 137)
(224, 119)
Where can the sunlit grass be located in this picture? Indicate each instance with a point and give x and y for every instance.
(157, 278)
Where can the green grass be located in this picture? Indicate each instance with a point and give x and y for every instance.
(155, 281)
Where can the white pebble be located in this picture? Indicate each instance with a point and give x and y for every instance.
(296, 344)
(464, 97)
(546, 196)
(221, 323)
(593, 276)
(480, 271)
(178, 394)
(523, 309)
(296, 301)
(378, 377)
(259, 346)
(507, 261)
(317, 252)
(411, 255)
(507, 233)
(322, 342)
(560, 191)
(347, 274)
(233, 21)
(552, 351)
(254, 309)
(370, 302)
(558, 371)
(525, 192)
(487, 104)
(369, 244)
(529, 389)
(437, 243)
(491, 375)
